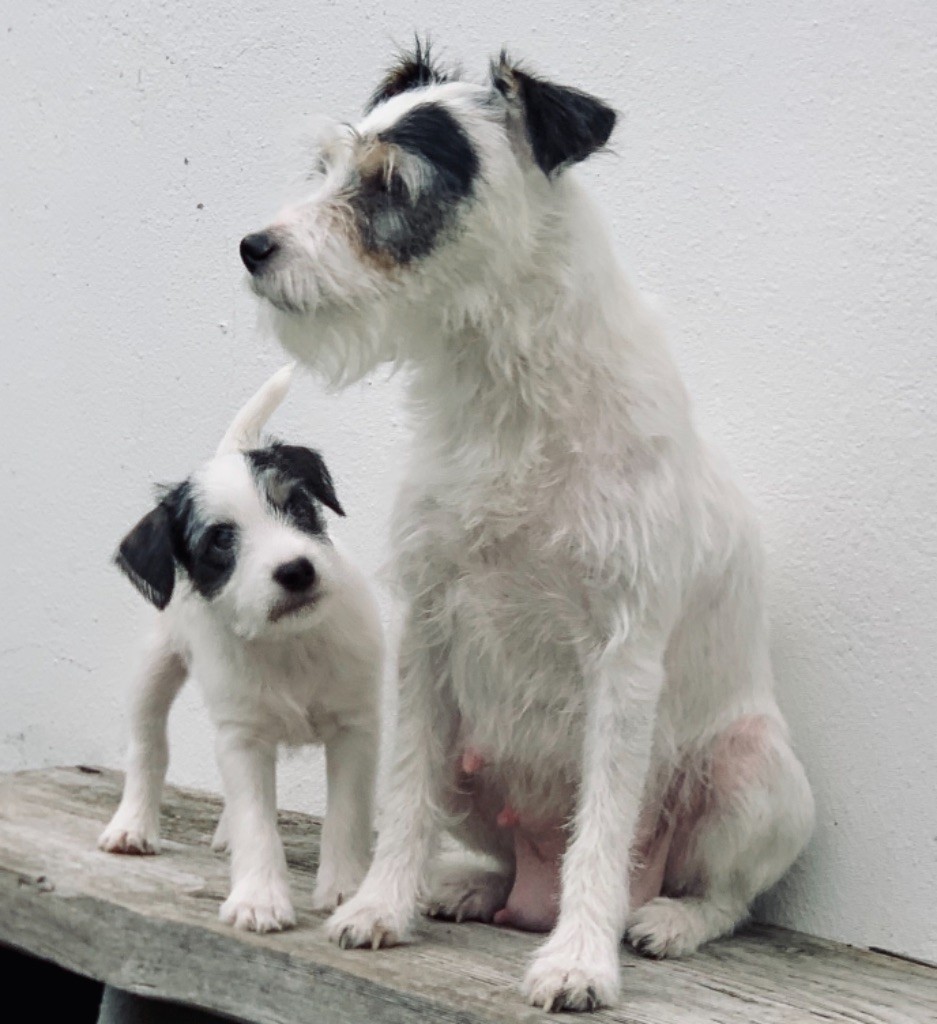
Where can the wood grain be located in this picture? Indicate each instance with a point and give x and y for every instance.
(149, 925)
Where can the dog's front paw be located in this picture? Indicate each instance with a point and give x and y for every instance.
(259, 905)
(129, 834)
(363, 922)
(565, 979)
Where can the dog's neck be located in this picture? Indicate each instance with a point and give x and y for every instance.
(559, 352)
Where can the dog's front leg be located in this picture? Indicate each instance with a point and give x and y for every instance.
(351, 765)
(577, 967)
(135, 825)
(260, 896)
(383, 910)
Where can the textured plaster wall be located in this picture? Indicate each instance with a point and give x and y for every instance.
(772, 182)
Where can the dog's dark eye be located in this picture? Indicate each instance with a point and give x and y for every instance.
(221, 538)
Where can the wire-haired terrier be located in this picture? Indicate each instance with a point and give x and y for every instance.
(585, 689)
(282, 633)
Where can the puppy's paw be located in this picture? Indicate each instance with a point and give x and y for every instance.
(665, 928)
(133, 835)
(466, 893)
(361, 922)
(568, 980)
(259, 905)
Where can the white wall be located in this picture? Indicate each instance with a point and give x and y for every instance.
(774, 183)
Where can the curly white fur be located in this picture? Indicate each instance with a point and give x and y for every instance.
(584, 582)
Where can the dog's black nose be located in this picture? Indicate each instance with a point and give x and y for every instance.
(295, 576)
(257, 249)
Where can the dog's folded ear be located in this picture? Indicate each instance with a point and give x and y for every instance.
(562, 125)
(305, 465)
(145, 556)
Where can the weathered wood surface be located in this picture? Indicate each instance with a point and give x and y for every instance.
(149, 925)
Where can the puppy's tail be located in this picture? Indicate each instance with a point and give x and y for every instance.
(245, 429)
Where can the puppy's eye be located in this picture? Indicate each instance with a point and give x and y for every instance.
(221, 538)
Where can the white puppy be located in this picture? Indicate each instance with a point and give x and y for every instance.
(283, 634)
(585, 688)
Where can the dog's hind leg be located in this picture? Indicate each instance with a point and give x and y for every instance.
(472, 884)
(135, 825)
(463, 888)
(734, 839)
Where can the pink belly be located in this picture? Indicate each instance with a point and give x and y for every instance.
(533, 903)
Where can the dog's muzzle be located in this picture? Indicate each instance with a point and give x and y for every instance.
(257, 249)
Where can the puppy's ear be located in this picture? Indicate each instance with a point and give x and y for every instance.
(562, 125)
(145, 556)
(306, 465)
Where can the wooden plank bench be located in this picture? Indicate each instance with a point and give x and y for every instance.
(149, 925)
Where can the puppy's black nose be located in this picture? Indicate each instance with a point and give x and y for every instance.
(295, 576)
(257, 249)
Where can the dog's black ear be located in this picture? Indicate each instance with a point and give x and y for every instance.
(413, 69)
(145, 556)
(306, 465)
(562, 125)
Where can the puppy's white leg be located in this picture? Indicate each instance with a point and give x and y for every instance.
(260, 897)
(135, 825)
(577, 967)
(382, 911)
(351, 765)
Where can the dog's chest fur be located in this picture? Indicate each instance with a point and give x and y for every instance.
(513, 616)
(297, 690)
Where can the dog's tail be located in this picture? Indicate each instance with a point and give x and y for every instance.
(245, 429)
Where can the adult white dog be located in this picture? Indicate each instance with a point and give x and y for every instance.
(282, 632)
(585, 689)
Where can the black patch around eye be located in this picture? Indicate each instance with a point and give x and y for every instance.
(393, 224)
(429, 131)
(213, 554)
(206, 551)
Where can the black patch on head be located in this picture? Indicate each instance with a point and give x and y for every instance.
(295, 480)
(563, 125)
(393, 223)
(174, 533)
(206, 550)
(413, 70)
(430, 132)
